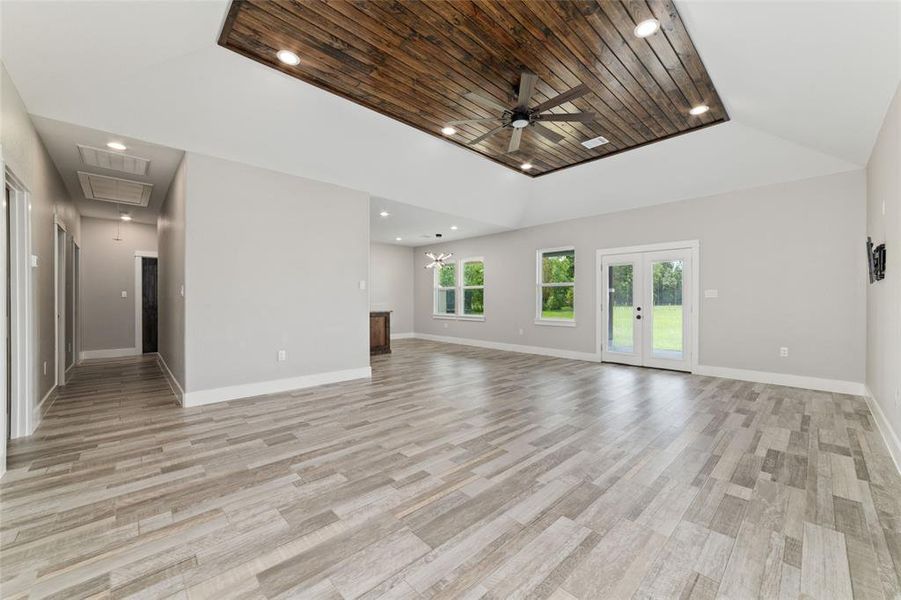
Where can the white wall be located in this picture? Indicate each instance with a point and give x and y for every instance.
(24, 154)
(108, 269)
(884, 297)
(786, 260)
(171, 277)
(272, 261)
(391, 284)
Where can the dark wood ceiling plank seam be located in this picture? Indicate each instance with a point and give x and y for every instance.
(638, 10)
(530, 139)
(441, 18)
(673, 26)
(616, 14)
(615, 129)
(628, 92)
(614, 42)
(605, 106)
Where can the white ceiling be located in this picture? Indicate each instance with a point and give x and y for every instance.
(61, 140)
(417, 226)
(806, 84)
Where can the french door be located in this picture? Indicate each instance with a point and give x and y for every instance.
(646, 309)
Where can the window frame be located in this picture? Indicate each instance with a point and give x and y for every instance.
(459, 291)
(437, 288)
(462, 288)
(540, 285)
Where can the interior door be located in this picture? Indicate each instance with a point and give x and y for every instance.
(149, 304)
(647, 313)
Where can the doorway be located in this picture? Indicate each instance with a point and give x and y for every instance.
(146, 306)
(59, 272)
(646, 305)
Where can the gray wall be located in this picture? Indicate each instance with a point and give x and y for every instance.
(884, 297)
(786, 260)
(171, 276)
(273, 262)
(25, 155)
(108, 269)
(391, 284)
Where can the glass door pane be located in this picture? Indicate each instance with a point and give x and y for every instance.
(620, 319)
(666, 290)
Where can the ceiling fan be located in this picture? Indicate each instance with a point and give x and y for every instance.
(438, 260)
(521, 117)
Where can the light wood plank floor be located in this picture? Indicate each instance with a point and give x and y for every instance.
(456, 473)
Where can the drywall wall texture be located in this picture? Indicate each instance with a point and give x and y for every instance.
(272, 262)
(24, 154)
(786, 260)
(884, 297)
(108, 270)
(391, 284)
(170, 227)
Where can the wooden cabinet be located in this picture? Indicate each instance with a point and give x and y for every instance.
(380, 332)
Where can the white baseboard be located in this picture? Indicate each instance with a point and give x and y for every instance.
(41, 409)
(274, 386)
(837, 386)
(109, 353)
(889, 436)
(173, 382)
(402, 336)
(556, 353)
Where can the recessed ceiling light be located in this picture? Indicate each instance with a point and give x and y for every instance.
(125, 217)
(699, 110)
(448, 130)
(454, 228)
(384, 213)
(116, 145)
(647, 28)
(397, 239)
(288, 57)
(525, 166)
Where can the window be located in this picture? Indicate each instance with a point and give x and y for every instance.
(460, 289)
(446, 290)
(473, 287)
(556, 285)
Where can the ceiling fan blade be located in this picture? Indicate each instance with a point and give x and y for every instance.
(551, 136)
(514, 141)
(485, 101)
(468, 121)
(527, 83)
(576, 92)
(485, 135)
(564, 117)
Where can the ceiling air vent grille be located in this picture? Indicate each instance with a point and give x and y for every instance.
(595, 142)
(113, 189)
(114, 161)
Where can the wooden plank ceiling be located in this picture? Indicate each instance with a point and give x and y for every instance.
(416, 61)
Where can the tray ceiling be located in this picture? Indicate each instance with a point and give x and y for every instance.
(417, 61)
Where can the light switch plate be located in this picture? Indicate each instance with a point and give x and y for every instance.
(711, 293)
(124, 294)
(34, 260)
(362, 284)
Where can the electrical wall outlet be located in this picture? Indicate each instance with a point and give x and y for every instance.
(521, 331)
(282, 356)
(445, 325)
(783, 352)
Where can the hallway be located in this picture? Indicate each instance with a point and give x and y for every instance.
(457, 472)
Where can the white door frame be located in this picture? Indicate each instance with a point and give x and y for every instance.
(694, 293)
(21, 308)
(139, 297)
(59, 301)
(76, 302)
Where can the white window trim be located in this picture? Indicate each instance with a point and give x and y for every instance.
(459, 290)
(539, 320)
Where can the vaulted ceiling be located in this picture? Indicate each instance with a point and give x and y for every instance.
(476, 66)
(806, 85)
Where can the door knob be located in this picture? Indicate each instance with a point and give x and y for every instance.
(638, 317)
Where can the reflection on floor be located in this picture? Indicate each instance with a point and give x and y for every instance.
(455, 473)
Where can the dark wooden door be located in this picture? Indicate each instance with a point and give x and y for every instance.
(148, 289)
